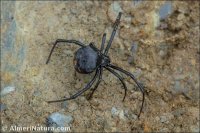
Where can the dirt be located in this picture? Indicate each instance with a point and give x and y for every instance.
(162, 54)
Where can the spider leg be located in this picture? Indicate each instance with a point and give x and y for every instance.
(103, 42)
(80, 91)
(133, 77)
(120, 78)
(97, 84)
(113, 33)
(63, 40)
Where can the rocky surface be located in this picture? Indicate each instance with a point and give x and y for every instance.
(157, 41)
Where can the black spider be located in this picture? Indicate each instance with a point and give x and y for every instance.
(89, 58)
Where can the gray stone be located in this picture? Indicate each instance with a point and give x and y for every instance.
(122, 115)
(166, 117)
(163, 50)
(133, 116)
(194, 129)
(137, 2)
(64, 105)
(165, 10)
(3, 107)
(164, 130)
(180, 76)
(133, 56)
(157, 118)
(177, 129)
(177, 87)
(163, 119)
(36, 93)
(179, 112)
(114, 111)
(134, 47)
(72, 107)
(68, 53)
(130, 115)
(131, 59)
(113, 10)
(162, 53)
(116, 7)
(7, 90)
(137, 73)
(59, 120)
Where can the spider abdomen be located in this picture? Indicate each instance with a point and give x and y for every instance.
(86, 60)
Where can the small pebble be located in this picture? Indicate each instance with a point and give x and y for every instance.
(36, 93)
(78, 85)
(133, 116)
(179, 112)
(180, 17)
(163, 119)
(164, 130)
(72, 107)
(64, 105)
(121, 115)
(166, 117)
(113, 10)
(134, 47)
(130, 115)
(157, 118)
(69, 53)
(178, 88)
(133, 56)
(3, 107)
(162, 53)
(137, 73)
(59, 120)
(114, 111)
(177, 129)
(7, 90)
(194, 129)
(165, 10)
(116, 7)
(137, 2)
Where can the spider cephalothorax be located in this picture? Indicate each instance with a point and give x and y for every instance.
(89, 59)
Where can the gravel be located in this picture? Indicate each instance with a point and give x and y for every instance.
(114, 111)
(7, 90)
(72, 107)
(3, 107)
(130, 115)
(133, 56)
(164, 57)
(113, 10)
(121, 115)
(64, 104)
(179, 112)
(116, 7)
(36, 93)
(194, 129)
(118, 113)
(59, 120)
(166, 117)
(177, 87)
(163, 119)
(165, 10)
